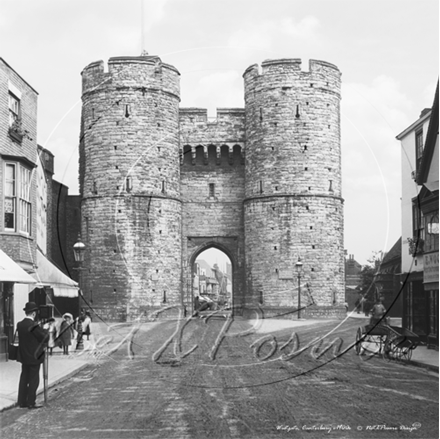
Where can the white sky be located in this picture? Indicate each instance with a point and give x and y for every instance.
(214, 256)
(387, 51)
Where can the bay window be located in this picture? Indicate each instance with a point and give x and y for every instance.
(17, 199)
(10, 198)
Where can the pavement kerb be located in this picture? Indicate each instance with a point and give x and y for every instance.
(411, 362)
(430, 367)
(50, 385)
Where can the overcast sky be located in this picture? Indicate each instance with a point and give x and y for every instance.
(387, 52)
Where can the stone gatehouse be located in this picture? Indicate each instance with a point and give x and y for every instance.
(160, 184)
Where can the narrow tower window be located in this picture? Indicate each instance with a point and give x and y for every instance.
(260, 186)
(163, 186)
(211, 190)
(127, 111)
(128, 184)
(297, 112)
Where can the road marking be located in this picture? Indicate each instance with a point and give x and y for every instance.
(420, 398)
(410, 380)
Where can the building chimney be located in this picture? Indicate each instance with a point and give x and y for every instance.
(424, 111)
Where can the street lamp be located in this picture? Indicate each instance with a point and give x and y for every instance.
(79, 250)
(298, 266)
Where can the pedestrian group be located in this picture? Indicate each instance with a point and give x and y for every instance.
(34, 339)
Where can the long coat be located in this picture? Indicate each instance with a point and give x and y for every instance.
(66, 333)
(32, 339)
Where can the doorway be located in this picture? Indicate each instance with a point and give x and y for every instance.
(212, 283)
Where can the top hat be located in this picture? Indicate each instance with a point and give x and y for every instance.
(29, 307)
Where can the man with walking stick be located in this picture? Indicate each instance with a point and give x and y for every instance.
(32, 341)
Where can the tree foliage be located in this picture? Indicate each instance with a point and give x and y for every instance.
(367, 275)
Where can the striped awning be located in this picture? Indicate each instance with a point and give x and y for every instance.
(48, 275)
(10, 271)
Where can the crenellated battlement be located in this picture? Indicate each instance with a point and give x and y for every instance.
(287, 72)
(197, 128)
(231, 115)
(143, 72)
(204, 155)
(286, 65)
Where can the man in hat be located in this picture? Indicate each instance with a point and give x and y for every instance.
(31, 343)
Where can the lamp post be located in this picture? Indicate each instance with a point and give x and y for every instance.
(79, 249)
(298, 266)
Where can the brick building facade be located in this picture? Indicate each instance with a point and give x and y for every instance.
(160, 184)
(18, 212)
(29, 210)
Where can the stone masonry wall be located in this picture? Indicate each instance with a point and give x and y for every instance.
(293, 205)
(160, 185)
(130, 183)
(212, 215)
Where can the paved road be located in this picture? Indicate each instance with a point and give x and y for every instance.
(206, 385)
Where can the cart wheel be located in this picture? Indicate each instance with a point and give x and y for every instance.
(391, 350)
(387, 350)
(358, 345)
(406, 354)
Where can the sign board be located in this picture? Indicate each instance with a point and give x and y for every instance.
(285, 274)
(41, 205)
(430, 267)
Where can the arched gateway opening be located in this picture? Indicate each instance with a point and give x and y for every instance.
(212, 281)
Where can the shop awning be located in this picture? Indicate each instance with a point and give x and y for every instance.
(10, 271)
(48, 275)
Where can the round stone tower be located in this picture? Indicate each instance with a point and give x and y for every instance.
(130, 186)
(293, 207)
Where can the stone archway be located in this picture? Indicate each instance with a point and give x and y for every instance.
(212, 279)
(230, 248)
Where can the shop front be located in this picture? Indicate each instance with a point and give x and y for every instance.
(12, 280)
(430, 285)
(55, 293)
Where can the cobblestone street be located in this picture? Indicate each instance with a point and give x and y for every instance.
(225, 388)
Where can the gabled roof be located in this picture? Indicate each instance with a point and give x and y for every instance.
(431, 139)
(395, 252)
(423, 117)
(27, 83)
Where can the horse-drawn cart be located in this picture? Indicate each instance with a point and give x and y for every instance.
(391, 342)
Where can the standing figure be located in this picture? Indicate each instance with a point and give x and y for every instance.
(50, 327)
(32, 340)
(86, 325)
(377, 313)
(79, 330)
(66, 333)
